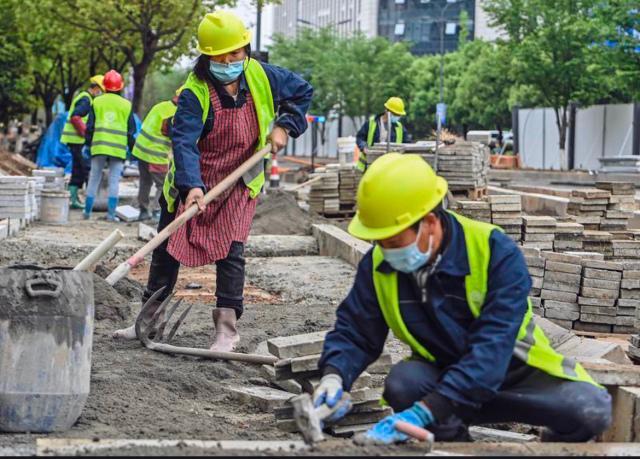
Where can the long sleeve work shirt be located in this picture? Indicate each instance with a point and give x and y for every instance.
(363, 134)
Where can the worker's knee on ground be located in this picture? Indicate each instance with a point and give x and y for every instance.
(401, 388)
(586, 413)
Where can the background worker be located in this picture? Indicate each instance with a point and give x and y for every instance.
(152, 149)
(225, 113)
(110, 132)
(455, 290)
(74, 132)
(376, 129)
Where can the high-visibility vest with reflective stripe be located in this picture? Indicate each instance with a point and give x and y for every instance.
(151, 145)
(69, 134)
(111, 124)
(260, 89)
(373, 125)
(532, 346)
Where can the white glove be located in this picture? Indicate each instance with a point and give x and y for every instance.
(329, 391)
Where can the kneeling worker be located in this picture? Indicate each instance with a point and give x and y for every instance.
(454, 290)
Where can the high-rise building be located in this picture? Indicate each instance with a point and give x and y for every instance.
(420, 22)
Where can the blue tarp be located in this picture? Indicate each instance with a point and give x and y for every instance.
(52, 153)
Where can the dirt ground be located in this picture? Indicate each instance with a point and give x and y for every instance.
(137, 393)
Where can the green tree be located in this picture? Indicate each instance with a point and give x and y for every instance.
(161, 85)
(551, 44)
(15, 79)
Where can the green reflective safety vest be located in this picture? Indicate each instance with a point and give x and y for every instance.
(260, 89)
(532, 346)
(362, 159)
(151, 145)
(111, 124)
(69, 134)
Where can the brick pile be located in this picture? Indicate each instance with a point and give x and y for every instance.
(599, 290)
(560, 288)
(477, 210)
(568, 236)
(506, 212)
(538, 232)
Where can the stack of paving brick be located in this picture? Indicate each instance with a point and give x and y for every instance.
(628, 304)
(560, 288)
(299, 367)
(16, 197)
(379, 149)
(38, 183)
(477, 210)
(625, 249)
(536, 264)
(589, 206)
(349, 177)
(324, 197)
(506, 212)
(598, 241)
(54, 178)
(599, 292)
(464, 165)
(621, 204)
(568, 236)
(538, 232)
(634, 348)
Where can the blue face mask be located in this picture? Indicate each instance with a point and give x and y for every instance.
(394, 118)
(408, 259)
(226, 73)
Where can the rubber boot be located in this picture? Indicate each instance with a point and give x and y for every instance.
(144, 214)
(227, 337)
(88, 207)
(129, 333)
(155, 216)
(75, 202)
(112, 203)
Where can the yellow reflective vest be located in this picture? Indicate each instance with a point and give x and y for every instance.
(362, 159)
(69, 134)
(152, 146)
(111, 113)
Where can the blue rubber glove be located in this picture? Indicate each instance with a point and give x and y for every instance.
(384, 432)
(330, 392)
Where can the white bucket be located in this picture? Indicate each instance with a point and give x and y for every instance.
(55, 207)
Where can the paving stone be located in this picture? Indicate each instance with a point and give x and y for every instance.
(348, 431)
(591, 327)
(537, 310)
(625, 427)
(536, 302)
(555, 276)
(479, 433)
(608, 265)
(533, 237)
(534, 292)
(536, 282)
(599, 310)
(127, 213)
(597, 318)
(504, 199)
(561, 257)
(551, 304)
(289, 385)
(364, 418)
(627, 303)
(305, 363)
(297, 345)
(563, 267)
(630, 283)
(599, 283)
(539, 245)
(599, 293)
(625, 329)
(602, 274)
(628, 274)
(534, 262)
(531, 230)
(562, 287)
(530, 252)
(561, 314)
(366, 394)
(586, 255)
(538, 272)
(625, 320)
(630, 294)
(558, 296)
(566, 245)
(506, 207)
(569, 228)
(534, 220)
(568, 324)
(265, 399)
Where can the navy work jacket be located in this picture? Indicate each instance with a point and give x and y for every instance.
(291, 98)
(475, 354)
(363, 133)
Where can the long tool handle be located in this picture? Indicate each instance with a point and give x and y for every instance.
(99, 251)
(215, 355)
(308, 182)
(122, 270)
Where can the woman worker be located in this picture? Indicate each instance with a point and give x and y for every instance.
(225, 113)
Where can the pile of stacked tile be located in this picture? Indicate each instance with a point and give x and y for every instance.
(535, 263)
(38, 183)
(560, 288)
(599, 292)
(598, 241)
(324, 197)
(568, 236)
(634, 348)
(349, 177)
(464, 165)
(506, 212)
(379, 149)
(628, 304)
(54, 178)
(538, 232)
(621, 204)
(299, 366)
(589, 206)
(16, 197)
(625, 249)
(477, 210)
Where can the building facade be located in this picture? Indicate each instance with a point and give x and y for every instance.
(416, 21)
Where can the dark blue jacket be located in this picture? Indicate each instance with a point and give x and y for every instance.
(291, 98)
(363, 133)
(474, 354)
(82, 108)
(131, 129)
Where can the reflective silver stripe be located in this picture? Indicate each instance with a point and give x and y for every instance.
(110, 131)
(253, 173)
(109, 144)
(155, 139)
(157, 154)
(569, 366)
(173, 191)
(523, 346)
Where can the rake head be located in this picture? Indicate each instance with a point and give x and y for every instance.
(151, 332)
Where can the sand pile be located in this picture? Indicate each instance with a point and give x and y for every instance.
(279, 213)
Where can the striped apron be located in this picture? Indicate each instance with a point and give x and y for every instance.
(207, 237)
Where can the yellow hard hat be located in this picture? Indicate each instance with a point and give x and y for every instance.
(221, 32)
(179, 90)
(396, 191)
(395, 105)
(98, 79)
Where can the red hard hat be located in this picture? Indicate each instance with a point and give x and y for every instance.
(113, 81)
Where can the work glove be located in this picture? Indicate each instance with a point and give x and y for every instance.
(384, 432)
(330, 392)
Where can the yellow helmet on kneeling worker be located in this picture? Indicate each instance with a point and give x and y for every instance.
(395, 192)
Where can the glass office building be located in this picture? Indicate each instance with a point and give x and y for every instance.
(419, 22)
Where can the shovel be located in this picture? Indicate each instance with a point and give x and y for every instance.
(124, 268)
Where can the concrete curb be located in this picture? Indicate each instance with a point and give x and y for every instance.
(333, 242)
